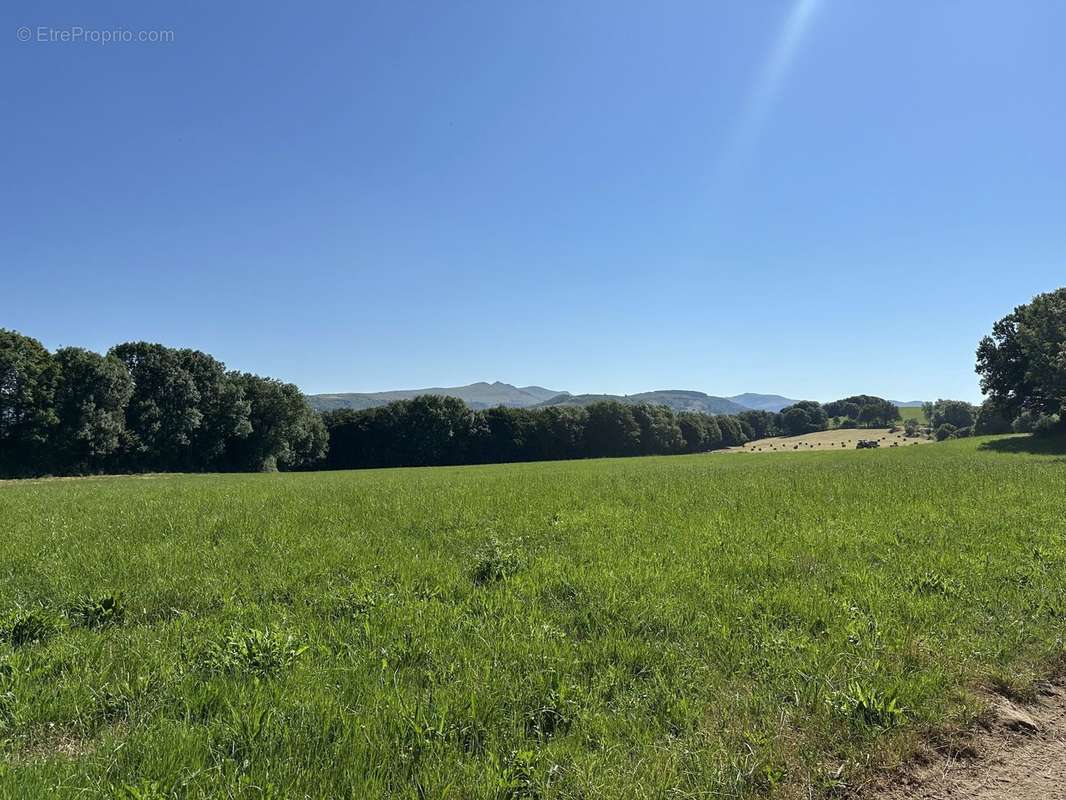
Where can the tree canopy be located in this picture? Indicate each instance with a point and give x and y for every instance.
(144, 406)
(806, 416)
(27, 403)
(864, 409)
(1022, 363)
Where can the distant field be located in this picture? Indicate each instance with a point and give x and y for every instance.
(831, 440)
(913, 413)
(694, 626)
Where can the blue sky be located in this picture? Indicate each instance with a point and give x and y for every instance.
(810, 198)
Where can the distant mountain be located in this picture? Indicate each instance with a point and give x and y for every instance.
(677, 399)
(907, 403)
(762, 402)
(490, 395)
(475, 395)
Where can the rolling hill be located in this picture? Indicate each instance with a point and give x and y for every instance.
(489, 395)
(762, 402)
(676, 399)
(475, 395)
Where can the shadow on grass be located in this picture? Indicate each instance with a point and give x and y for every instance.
(1041, 445)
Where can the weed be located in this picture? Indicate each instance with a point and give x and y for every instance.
(144, 790)
(494, 561)
(259, 653)
(516, 776)
(23, 627)
(7, 695)
(552, 716)
(867, 706)
(932, 582)
(98, 612)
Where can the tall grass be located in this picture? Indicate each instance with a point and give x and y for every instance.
(699, 626)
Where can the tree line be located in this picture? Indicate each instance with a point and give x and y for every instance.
(434, 430)
(437, 430)
(145, 407)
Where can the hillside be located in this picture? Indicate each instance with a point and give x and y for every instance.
(762, 402)
(676, 399)
(489, 395)
(475, 395)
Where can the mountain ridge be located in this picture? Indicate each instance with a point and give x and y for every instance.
(476, 395)
(482, 394)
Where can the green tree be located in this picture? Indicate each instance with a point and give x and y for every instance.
(560, 432)
(91, 396)
(224, 410)
(732, 433)
(957, 413)
(700, 432)
(945, 431)
(1022, 363)
(28, 376)
(611, 430)
(285, 431)
(990, 419)
(163, 414)
(805, 416)
(503, 434)
(763, 424)
(867, 409)
(659, 431)
(438, 430)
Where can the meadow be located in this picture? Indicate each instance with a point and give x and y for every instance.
(916, 414)
(672, 627)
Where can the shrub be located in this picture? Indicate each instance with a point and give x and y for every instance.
(990, 420)
(1047, 424)
(1024, 422)
(954, 412)
(945, 431)
(1035, 422)
(962, 433)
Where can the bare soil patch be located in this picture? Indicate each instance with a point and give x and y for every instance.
(1018, 753)
(50, 741)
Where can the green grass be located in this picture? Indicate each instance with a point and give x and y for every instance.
(699, 626)
(913, 413)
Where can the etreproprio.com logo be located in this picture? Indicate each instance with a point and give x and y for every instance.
(77, 34)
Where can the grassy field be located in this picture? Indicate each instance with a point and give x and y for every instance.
(686, 627)
(830, 440)
(913, 413)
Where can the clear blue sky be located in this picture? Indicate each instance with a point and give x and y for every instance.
(810, 198)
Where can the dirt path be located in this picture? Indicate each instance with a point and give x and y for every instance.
(1021, 755)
